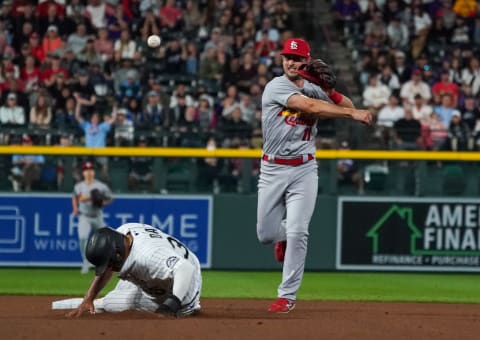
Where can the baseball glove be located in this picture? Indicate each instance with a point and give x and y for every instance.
(319, 73)
(97, 197)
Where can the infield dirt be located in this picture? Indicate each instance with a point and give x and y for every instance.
(31, 317)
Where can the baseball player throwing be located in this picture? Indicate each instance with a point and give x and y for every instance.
(89, 211)
(157, 273)
(288, 182)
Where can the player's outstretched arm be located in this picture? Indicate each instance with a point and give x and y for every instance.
(95, 287)
(322, 109)
(344, 101)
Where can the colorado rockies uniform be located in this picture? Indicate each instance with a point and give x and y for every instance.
(288, 182)
(89, 217)
(157, 265)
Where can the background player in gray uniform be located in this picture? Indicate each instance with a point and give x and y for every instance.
(90, 216)
(157, 273)
(288, 182)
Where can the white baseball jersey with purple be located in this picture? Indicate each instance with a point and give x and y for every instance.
(158, 265)
(287, 193)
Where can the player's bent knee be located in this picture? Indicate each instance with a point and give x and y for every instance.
(264, 238)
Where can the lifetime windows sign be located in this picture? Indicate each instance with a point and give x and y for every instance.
(425, 234)
(39, 229)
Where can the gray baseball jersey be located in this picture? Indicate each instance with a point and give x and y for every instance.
(89, 217)
(286, 193)
(83, 189)
(284, 133)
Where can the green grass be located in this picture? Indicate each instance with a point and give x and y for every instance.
(243, 284)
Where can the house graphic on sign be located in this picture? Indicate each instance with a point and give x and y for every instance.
(395, 232)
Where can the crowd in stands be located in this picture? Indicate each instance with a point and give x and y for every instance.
(80, 72)
(83, 67)
(419, 70)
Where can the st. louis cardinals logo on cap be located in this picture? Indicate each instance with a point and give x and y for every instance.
(296, 46)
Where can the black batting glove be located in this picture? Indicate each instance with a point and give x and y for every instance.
(170, 306)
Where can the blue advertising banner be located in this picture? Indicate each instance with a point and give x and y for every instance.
(39, 230)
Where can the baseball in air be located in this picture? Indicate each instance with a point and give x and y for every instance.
(154, 41)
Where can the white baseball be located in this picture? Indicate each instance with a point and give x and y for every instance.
(154, 41)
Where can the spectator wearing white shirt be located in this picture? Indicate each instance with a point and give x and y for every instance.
(375, 95)
(415, 86)
(389, 78)
(471, 75)
(96, 11)
(125, 47)
(422, 24)
(397, 34)
(180, 90)
(11, 113)
(390, 113)
(387, 116)
(124, 129)
(421, 110)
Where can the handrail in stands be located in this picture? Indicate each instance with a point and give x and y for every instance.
(236, 153)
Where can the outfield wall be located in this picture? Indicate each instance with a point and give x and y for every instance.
(346, 233)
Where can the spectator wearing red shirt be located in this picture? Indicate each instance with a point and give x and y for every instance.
(9, 66)
(30, 74)
(18, 7)
(12, 83)
(170, 14)
(48, 75)
(443, 86)
(264, 47)
(36, 48)
(42, 8)
(52, 18)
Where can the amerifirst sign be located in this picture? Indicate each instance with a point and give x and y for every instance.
(427, 234)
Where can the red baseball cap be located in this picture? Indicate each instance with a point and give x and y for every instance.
(26, 139)
(296, 46)
(88, 166)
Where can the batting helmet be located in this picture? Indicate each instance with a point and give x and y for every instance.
(106, 248)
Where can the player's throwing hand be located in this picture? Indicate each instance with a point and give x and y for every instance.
(363, 116)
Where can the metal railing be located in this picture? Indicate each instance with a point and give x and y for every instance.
(418, 173)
